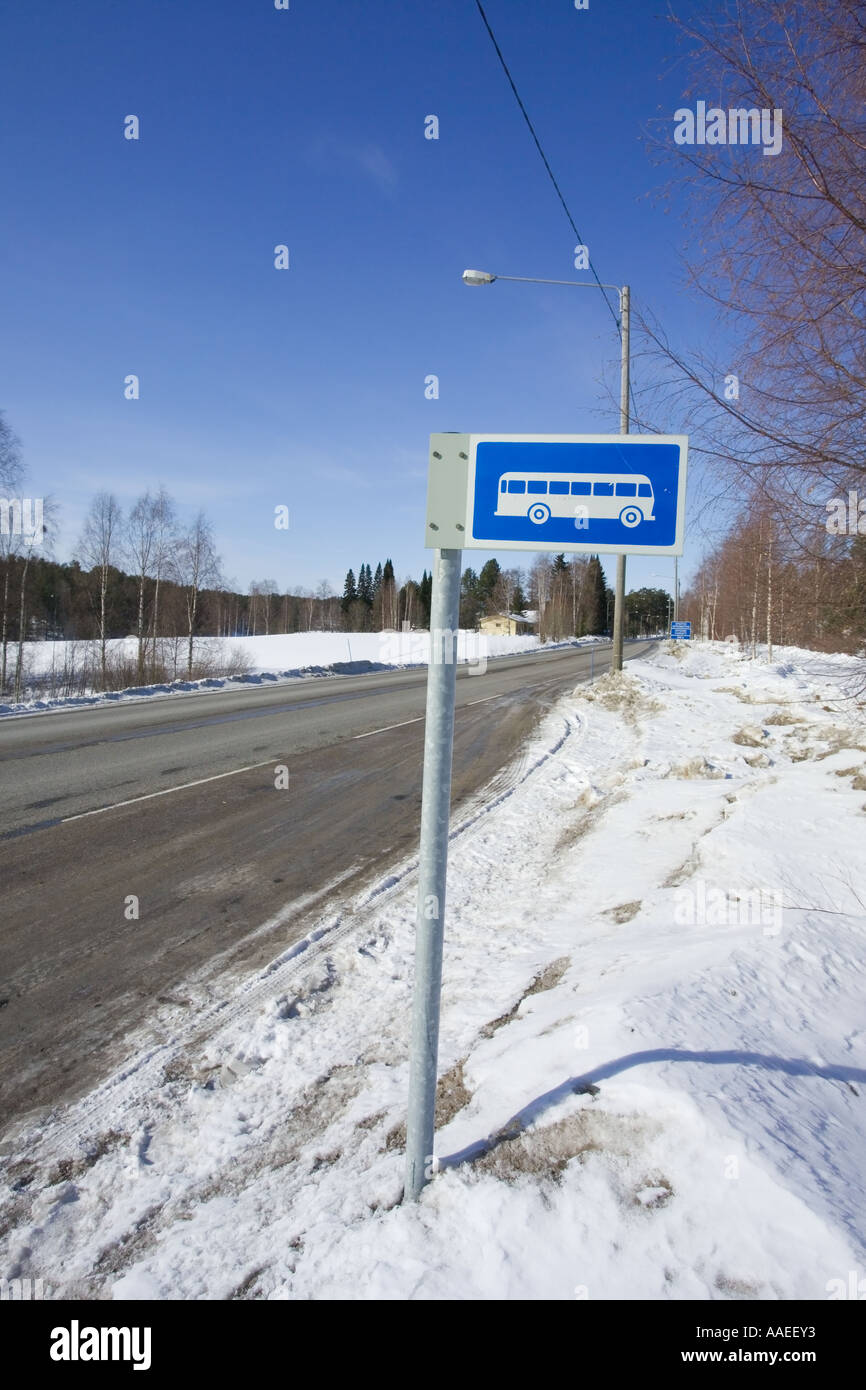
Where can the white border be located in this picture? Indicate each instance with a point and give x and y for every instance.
(472, 542)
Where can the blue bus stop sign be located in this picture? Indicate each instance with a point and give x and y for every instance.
(681, 631)
(571, 492)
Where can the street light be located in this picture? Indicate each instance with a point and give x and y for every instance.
(484, 277)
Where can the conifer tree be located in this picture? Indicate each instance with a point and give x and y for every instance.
(388, 591)
(350, 593)
(597, 597)
(470, 602)
(365, 585)
(426, 598)
(487, 581)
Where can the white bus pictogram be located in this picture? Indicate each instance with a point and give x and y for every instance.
(624, 497)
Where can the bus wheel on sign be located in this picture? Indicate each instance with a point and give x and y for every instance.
(539, 513)
(631, 516)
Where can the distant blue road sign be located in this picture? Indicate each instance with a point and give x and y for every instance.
(574, 492)
(681, 631)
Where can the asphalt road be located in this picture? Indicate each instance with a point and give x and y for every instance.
(173, 801)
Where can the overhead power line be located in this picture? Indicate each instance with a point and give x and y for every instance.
(544, 158)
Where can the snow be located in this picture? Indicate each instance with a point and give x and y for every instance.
(276, 659)
(652, 1049)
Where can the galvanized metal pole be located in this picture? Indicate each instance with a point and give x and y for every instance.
(432, 868)
(619, 604)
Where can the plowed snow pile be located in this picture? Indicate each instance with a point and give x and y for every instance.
(653, 1047)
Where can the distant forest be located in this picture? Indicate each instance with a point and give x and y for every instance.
(66, 601)
(143, 575)
(178, 597)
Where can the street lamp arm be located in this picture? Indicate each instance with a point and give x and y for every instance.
(579, 284)
(486, 277)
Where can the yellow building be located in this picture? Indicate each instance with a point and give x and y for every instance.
(507, 625)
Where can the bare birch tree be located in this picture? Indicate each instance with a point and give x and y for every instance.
(163, 556)
(140, 546)
(198, 567)
(38, 538)
(98, 552)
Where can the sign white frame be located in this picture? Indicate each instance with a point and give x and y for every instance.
(451, 494)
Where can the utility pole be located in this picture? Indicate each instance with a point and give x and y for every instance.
(619, 605)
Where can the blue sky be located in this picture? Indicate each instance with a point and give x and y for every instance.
(305, 127)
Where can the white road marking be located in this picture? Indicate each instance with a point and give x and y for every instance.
(202, 781)
(389, 726)
(166, 791)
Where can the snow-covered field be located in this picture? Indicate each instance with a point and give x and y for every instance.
(291, 657)
(653, 1046)
(297, 651)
